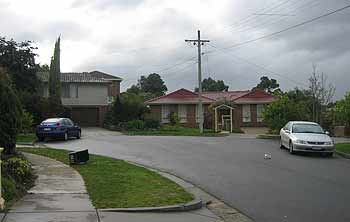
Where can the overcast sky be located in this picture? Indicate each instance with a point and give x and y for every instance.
(138, 37)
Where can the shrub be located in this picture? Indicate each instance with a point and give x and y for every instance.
(174, 119)
(27, 122)
(152, 124)
(17, 178)
(135, 125)
(126, 107)
(9, 190)
(278, 113)
(19, 169)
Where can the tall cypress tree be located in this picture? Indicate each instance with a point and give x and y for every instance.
(55, 81)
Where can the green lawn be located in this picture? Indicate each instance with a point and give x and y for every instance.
(113, 183)
(343, 147)
(174, 131)
(26, 138)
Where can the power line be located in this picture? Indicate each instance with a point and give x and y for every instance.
(273, 21)
(177, 64)
(272, 10)
(256, 65)
(288, 28)
(273, 14)
(250, 17)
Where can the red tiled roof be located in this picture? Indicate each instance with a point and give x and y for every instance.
(184, 96)
(229, 95)
(255, 97)
(181, 96)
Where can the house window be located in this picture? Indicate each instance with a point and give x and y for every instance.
(197, 113)
(182, 113)
(76, 91)
(65, 91)
(259, 112)
(165, 114)
(246, 115)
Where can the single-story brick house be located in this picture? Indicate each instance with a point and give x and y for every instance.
(246, 109)
(87, 94)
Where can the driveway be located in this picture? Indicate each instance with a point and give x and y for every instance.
(283, 188)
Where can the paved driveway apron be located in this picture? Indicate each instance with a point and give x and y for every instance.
(283, 188)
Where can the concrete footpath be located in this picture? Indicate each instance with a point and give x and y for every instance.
(60, 195)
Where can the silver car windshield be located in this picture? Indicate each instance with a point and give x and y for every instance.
(307, 128)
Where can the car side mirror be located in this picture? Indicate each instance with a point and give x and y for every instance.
(327, 133)
(287, 131)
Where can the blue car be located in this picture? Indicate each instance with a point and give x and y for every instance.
(58, 128)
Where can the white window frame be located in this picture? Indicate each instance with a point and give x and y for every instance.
(182, 113)
(197, 113)
(165, 114)
(259, 112)
(246, 113)
(65, 90)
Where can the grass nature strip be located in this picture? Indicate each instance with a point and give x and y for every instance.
(174, 131)
(343, 147)
(113, 183)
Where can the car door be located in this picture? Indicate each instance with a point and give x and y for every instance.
(73, 128)
(68, 126)
(285, 133)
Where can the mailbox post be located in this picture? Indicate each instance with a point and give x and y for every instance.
(2, 201)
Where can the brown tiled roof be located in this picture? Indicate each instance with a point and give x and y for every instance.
(94, 76)
(184, 96)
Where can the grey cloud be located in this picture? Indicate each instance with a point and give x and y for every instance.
(105, 4)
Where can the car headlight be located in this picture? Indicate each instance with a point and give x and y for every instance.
(328, 143)
(301, 141)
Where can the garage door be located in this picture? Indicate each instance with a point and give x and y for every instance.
(85, 116)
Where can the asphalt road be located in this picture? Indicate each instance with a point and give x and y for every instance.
(284, 188)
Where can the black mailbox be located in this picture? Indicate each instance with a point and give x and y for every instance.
(79, 157)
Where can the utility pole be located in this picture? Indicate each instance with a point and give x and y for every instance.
(199, 42)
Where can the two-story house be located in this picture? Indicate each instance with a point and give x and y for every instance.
(87, 94)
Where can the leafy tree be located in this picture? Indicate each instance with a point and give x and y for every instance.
(268, 85)
(54, 99)
(135, 89)
(126, 107)
(19, 60)
(149, 87)
(43, 68)
(211, 85)
(342, 110)
(278, 113)
(10, 114)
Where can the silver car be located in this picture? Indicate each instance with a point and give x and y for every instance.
(306, 137)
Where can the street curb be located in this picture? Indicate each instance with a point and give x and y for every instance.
(268, 136)
(215, 205)
(345, 155)
(192, 205)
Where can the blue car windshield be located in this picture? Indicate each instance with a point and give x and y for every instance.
(307, 128)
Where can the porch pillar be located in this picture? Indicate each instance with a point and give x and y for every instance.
(231, 127)
(216, 120)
